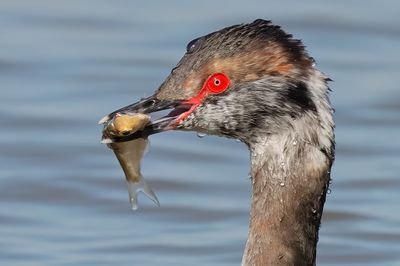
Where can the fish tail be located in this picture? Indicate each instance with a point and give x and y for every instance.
(135, 187)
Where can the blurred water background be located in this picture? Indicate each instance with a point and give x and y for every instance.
(63, 198)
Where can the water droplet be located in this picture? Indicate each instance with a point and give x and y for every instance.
(329, 191)
(282, 164)
(282, 184)
(201, 135)
(295, 142)
(314, 210)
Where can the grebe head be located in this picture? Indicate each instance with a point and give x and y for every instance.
(245, 81)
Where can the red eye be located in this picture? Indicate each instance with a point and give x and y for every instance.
(217, 83)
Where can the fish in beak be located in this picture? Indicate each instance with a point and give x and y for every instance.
(126, 130)
(178, 110)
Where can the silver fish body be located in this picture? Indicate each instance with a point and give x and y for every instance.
(130, 153)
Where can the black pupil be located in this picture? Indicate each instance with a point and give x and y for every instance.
(217, 82)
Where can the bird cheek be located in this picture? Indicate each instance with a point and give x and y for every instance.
(196, 121)
(187, 123)
(207, 119)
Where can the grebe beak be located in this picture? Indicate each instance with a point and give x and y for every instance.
(149, 106)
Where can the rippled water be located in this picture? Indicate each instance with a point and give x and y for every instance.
(63, 200)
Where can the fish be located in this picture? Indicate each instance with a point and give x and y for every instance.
(130, 153)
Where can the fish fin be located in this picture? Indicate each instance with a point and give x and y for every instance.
(104, 119)
(135, 187)
(106, 141)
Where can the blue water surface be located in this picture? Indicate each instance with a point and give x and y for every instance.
(63, 199)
